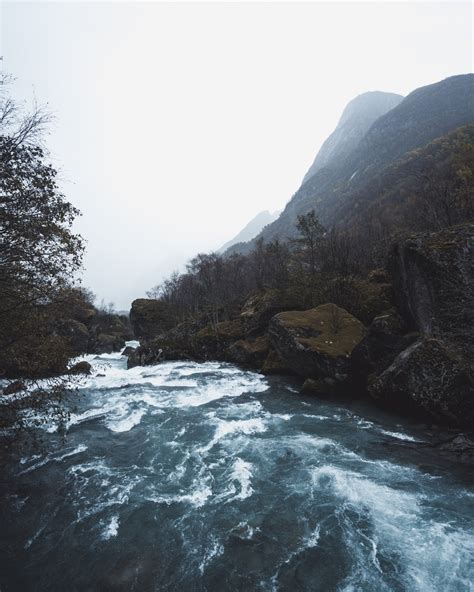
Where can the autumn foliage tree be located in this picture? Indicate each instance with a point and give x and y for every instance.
(39, 253)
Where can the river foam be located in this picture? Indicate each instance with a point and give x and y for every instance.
(209, 477)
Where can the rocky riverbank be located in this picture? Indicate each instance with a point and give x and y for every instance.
(410, 349)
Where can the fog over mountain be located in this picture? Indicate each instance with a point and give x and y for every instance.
(236, 296)
(355, 122)
(177, 123)
(251, 229)
(347, 169)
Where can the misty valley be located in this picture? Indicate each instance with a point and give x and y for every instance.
(291, 409)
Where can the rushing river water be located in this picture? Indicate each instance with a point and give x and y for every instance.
(204, 477)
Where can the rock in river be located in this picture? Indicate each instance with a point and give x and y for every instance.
(316, 343)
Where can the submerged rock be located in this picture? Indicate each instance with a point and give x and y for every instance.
(317, 343)
(128, 351)
(324, 387)
(14, 387)
(80, 368)
(145, 355)
(461, 447)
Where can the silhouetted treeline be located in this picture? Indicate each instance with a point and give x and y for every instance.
(218, 285)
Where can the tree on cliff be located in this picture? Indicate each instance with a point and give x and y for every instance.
(39, 253)
(308, 243)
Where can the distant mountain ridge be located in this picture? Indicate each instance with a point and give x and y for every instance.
(425, 114)
(355, 122)
(254, 227)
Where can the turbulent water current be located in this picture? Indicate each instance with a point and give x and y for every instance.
(205, 477)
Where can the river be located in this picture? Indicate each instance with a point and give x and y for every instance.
(205, 477)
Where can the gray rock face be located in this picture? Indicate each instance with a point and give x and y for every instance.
(433, 276)
(355, 122)
(386, 337)
(428, 378)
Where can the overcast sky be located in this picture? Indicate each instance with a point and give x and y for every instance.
(176, 123)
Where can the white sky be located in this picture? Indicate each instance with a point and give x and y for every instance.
(177, 123)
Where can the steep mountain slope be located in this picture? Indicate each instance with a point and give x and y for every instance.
(424, 115)
(253, 228)
(355, 122)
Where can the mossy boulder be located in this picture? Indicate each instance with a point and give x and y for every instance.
(191, 340)
(111, 324)
(259, 309)
(149, 318)
(249, 352)
(108, 333)
(109, 343)
(428, 378)
(316, 343)
(225, 331)
(211, 342)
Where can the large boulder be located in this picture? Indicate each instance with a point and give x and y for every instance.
(107, 343)
(13, 388)
(249, 352)
(274, 364)
(316, 343)
(430, 379)
(149, 318)
(147, 354)
(433, 278)
(127, 351)
(259, 309)
(191, 340)
(108, 333)
(386, 337)
(82, 367)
